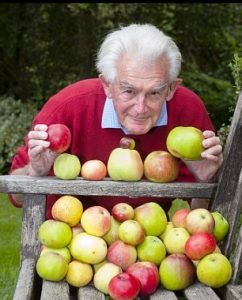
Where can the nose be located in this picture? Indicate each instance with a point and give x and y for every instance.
(140, 104)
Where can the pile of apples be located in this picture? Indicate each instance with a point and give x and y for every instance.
(132, 251)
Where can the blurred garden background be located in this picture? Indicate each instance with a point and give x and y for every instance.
(46, 46)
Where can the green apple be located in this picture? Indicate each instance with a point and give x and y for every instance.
(185, 142)
(62, 251)
(151, 249)
(131, 232)
(221, 227)
(67, 166)
(214, 270)
(125, 164)
(177, 272)
(176, 239)
(79, 274)
(52, 266)
(88, 248)
(168, 227)
(152, 217)
(113, 234)
(54, 234)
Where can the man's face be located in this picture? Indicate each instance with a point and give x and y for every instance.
(138, 94)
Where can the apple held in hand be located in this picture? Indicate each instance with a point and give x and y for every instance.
(177, 272)
(200, 244)
(52, 266)
(94, 170)
(148, 275)
(79, 274)
(59, 137)
(185, 142)
(214, 270)
(96, 220)
(152, 217)
(124, 286)
(67, 166)
(221, 227)
(161, 166)
(131, 232)
(200, 220)
(122, 212)
(125, 163)
(54, 234)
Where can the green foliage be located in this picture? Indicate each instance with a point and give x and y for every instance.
(176, 205)
(15, 121)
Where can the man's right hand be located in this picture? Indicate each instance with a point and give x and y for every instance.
(41, 158)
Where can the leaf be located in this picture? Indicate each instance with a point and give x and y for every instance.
(176, 205)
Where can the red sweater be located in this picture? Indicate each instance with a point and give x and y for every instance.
(80, 107)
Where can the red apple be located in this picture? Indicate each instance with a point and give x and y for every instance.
(122, 212)
(161, 166)
(94, 169)
(200, 244)
(179, 217)
(148, 275)
(96, 220)
(200, 220)
(123, 286)
(59, 136)
(177, 272)
(122, 254)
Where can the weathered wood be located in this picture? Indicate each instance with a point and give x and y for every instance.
(89, 292)
(233, 292)
(33, 216)
(162, 294)
(55, 290)
(236, 259)
(25, 285)
(199, 291)
(108, 187)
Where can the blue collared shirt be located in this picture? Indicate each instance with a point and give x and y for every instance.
(110, 119)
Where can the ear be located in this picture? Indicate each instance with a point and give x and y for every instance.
(106, 86)
(172, 88)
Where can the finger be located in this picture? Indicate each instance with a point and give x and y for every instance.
(34, 153)
(208, 134)
(38, 135)
(211, 141)
(41, 127)
(35, 143)
(213, 151)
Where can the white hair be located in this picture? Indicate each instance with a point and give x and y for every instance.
(138, 41)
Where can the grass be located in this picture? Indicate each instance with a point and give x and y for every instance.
(10, 228)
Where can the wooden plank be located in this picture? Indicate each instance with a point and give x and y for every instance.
(233, 292)
(162, 294)
(108, 187)
(25, 285)
(236, 259)
(55, 290)
(89, 292)
(199, 291)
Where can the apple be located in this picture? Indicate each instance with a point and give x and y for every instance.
(79, 274)
(161, 166)
(96, 220)
(94, 169)
(168, 227)
(179, 217)
(122, 212)
(67, 166)
(103, 276)
(221, 227)
(54, 234)
(175, 240)
(151, 249)
(113, 234)
(131, 232)
(148, 275)
(88, 248)
(177, 272)
(200, 244)
(59, 136)
(52, 266)
(214, 270)
(97, 266)
(200, 220)
(67, 209)
(62, 251)
(124, 286)
(125, 163)
(152, 217)
(76, 229)
(185, 142)
(122, 254)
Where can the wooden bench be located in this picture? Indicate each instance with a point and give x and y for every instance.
(225, 196)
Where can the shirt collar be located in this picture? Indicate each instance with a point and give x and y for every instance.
(110, 119)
